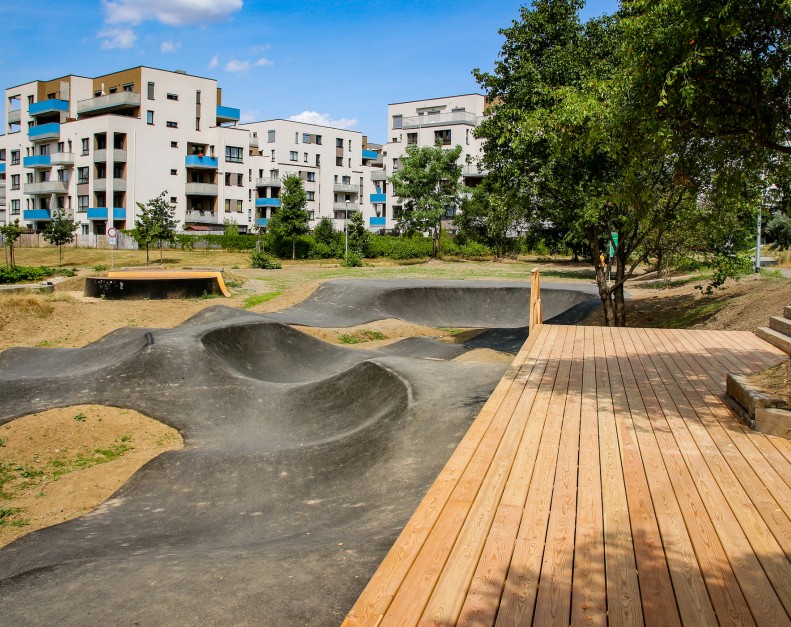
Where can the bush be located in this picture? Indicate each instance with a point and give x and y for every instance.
(474, 249)
(18, 274)
(400, 247)
(353, 260)
(320, 250)
(263, 261)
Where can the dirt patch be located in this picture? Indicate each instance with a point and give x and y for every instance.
(776, 381)
(61, 463)
(292, 297)
(372, 334)
(487, 355)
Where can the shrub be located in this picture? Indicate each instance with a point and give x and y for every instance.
(400, 247)
(320, 250)
(18, 274)
(263, 261)
(353, 260)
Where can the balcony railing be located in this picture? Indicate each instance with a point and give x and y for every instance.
(378, 175)
(37, 161)
(200, 189)
(196, 161)
(267, 202)
(253, 142)
(101, 213)
(15, 116)
(377, 221)
(261, 222)
(268, 181)
(119, 155)
(44, 132)
(471, 170)
(345, 206)
(345, 188)
(62, 158)
(45, 107)
(378, 198)
(100, 156)
(440, 119)
(36, 214)
(206, 217)
(227, 114)
(47, 187)
(110, 102)
(370, 154)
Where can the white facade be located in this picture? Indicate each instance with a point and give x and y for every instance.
(451, 121)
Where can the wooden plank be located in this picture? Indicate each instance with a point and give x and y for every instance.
(623, 590)
(652, 568)
(757, 587)
(451, 589)
(693, 550)
(378, 594)
(553, 606)
(589, 593)
(519, 594)
(419, 582)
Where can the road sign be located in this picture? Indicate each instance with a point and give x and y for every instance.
(614, 240)
(112, 240)
(112, 232)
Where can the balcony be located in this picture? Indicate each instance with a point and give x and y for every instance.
(370, 154)
(345, 188)
(44, 188)
(344, 206)
(62, 158)
(200, 189)
(201, 163)
(204, 217)
(253, 141)
(440, 119)
(100, 155)
(267, 202)
(47, 107)
(15, 116)
(378, 198)
(471, 171)
(44, 132)
(268, 181)
(106, 104)
(261, 222)
(36, 214)
(377, 221)
(119, 155)
(378, 175)
(37, 161)
(2, 168)
(227, 114)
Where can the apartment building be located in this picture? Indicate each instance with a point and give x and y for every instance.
(451, 121)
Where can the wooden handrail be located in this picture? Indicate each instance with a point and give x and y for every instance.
(536, 312)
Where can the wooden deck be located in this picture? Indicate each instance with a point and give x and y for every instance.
(605, 480)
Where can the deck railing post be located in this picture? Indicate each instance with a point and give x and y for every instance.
(536, 313)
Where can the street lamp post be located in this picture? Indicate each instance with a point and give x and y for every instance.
(346, 232)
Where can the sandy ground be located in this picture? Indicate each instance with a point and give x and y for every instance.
(59, 464)
(68, 319)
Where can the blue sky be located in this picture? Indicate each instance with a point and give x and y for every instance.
(336, 62)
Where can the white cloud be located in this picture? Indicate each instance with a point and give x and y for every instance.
(215, 61)
(260, 49)
(239, 66)
(113, 38)
(249, 115)
(323, 119)
(169, 46)
(171, 12)
(262, 62)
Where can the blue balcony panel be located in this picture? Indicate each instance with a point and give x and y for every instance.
(36, 214)
(2, 168)
(119, 213)
(370, 154)
(48, 106)
(267, 202)
(194, 161)
(227, 114)
(44, 131)
(97, 213)
(379, 198)
(261, 222)
(378, 221)
(37, 161)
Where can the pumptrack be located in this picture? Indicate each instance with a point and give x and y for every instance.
(302, 460)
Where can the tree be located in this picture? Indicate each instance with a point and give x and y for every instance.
(359, 236)
(324, 232)
(491, 215)
(291, 220)
(429, 184)
(60, 231)
(155, 223)
(11, 233)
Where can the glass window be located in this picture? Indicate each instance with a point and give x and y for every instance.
(15, 207)
(339, 142)
(15, 157)
(171, 124)
(239, 206)
(85, 145)
(305, 138)
(150, 92)
(149, 117)
(293, 155)
(311, 195)
(172, 96)
(270, 136)
(82, 175)
(398, 121)
(14, 181)
(234, 154)
(82, 203)
(311, 177)
(318, 140)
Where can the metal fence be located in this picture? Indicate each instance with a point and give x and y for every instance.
(36, 240)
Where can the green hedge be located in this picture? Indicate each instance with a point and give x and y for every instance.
(20, 274)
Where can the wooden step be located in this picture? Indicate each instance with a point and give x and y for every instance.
(783, 342)
(787, 311)
(780, 324)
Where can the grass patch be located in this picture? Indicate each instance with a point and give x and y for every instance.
(661, 284)
(10, 516)
(366, 335)
(451, 330)
(257, 299)
(693, 316)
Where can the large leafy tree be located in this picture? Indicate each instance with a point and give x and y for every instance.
(291, 220)
(155, 224)
(492, 215)
(60, 231)
(429, 184)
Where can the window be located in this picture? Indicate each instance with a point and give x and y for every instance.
(197, 123)
(305, 157)
(82, 175)
(63, 176)
(172, 96)
(113, 90)
(398, 121)
(311, 177)
(14, 181)
(270, 136)
(85, 145)
(339, 161)
(151, 91)
(197, 97)
(233, 154)
(240, 180)
(101, 141)
(411, 138)
(61, 147)
(239, 206)
(174, 144)
(293, 155)
(467, 139)
(318, 160)
(60, 202)
(15, 207)
(227, 205)
(339, 142)
(305, 138)
(173, 172)
(2, 154)
(14, 157)
(296, 137)
(43, 149)
(129, 87)
(101, 171)
(173, 200)
(273, 155)
(442, 137)
(395, 165)
(227, 179)
(311, 195)
(82, 203)
(318, 140)
(149, 117)
(171, 124)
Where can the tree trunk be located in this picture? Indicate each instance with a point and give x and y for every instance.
(160, 253)
(146, 254)
(293, 248)
(605, 293)
(60, 254)
(11, 251)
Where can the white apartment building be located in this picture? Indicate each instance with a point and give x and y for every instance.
(450, 121)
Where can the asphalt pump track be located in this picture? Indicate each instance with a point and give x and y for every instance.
(302, 460)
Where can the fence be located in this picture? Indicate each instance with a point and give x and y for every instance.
(36, 240)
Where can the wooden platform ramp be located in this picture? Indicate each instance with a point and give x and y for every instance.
(605, 481)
